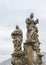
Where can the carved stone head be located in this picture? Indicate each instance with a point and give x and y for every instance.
(17, 27)
(32, 15)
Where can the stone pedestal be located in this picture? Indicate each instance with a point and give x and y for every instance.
(29, 53)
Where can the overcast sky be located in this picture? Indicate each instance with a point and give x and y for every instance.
(14, 12)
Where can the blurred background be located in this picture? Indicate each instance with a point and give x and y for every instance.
(14, 12)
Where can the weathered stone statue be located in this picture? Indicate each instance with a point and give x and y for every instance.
(17, 37)
(31, 28)
(31, 54)
(32, 42)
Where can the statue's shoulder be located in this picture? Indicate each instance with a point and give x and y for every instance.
(27, 19)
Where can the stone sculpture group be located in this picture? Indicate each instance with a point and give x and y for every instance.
(31, 54)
